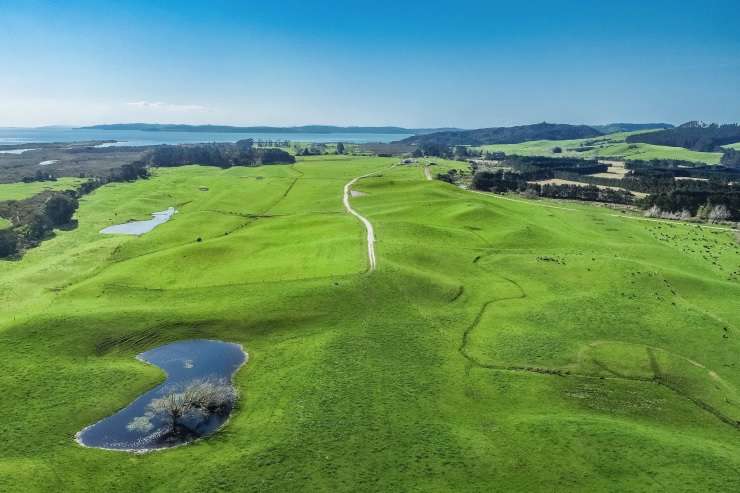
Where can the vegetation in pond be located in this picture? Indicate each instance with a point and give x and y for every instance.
(185, 408)
(194, 402)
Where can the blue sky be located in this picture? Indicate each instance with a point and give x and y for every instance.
(412, 63)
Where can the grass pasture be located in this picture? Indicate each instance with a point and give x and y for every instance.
(20, 191)
(501, 344)
(612, 146)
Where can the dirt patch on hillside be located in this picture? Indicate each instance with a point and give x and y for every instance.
(616, 170)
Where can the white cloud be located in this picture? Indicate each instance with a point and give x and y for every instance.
(161, 106)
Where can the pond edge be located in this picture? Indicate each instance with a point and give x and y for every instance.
(78, 440)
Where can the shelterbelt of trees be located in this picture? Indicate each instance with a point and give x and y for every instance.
(223, 155)
(34, 219)
(708, 187)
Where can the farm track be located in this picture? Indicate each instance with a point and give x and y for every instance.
(657, 378)
(368, 225)
(427, 173)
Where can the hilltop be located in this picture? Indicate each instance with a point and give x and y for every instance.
(611, 128)
(506, 135)
(692, 135)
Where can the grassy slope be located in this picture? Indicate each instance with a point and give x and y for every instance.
(612, 146)
(20, 191)
(396, 380)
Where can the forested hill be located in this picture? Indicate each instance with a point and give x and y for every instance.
(310, 129)
(505, 135)
(692, 135)
(611, 128)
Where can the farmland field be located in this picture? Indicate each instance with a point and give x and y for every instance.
(610, 146)
(501, 343)
(20, 191)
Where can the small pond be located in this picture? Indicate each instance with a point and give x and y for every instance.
(140, 428)
(137, 228)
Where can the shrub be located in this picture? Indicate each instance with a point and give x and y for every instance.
(653, 211)
(196, 401)
(718, 213)
(60, 208)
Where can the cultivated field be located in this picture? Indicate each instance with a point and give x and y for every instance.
(501, 343)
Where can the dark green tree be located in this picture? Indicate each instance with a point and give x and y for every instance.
(60, 208)
(8, 243)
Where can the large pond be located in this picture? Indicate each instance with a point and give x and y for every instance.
(137, 228)
(140, 428)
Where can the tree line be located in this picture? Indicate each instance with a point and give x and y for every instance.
(223, 155)
(34, 219)
(710, 188)
(501, 181)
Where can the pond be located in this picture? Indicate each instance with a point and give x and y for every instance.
(139, 427)
(137, 228)
(16, 151)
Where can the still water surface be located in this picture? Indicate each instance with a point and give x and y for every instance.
(137, 228)
(184, 362)
(141, 137)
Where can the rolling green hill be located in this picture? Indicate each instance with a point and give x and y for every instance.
(611, 128)
(612, 146)
(504, 135)
(692, 135)
(501, 343)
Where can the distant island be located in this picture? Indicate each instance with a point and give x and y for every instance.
(304, 129)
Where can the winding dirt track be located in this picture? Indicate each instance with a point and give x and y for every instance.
(363, 219)
(427, 173)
